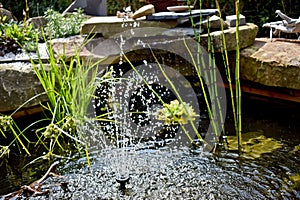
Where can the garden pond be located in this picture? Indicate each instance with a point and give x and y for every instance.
(181, 172)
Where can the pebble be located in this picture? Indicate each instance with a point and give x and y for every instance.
(26, 56)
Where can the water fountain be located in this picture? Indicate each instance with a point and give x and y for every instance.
(137, 91)
(131, 159)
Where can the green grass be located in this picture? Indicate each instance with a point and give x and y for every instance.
(69, 84)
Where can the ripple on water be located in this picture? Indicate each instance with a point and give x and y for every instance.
(163, 174)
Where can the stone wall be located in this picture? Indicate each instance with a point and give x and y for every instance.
(18, 84)
(274, 63)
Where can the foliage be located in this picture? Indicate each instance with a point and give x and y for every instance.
(8, 125)
(176, 113)
(70, 84)
(114, 6)
(256, 11)
(254, 144)
(36, 7)
(14, 36)
(296, 181)
(60, 26)
(4, 151)
(59, 81)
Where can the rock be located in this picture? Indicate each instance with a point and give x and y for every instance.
(215, 23)
(247, 36)
(37, 22)
(6, 16)
(69, 47)
(19, 83)
(272, 63)
(231, 20)
(109, 26)
(144, 11)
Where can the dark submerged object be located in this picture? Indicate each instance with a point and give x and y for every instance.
(122, 181)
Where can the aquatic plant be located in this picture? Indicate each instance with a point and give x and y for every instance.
(69, 84)
(4, 151)
(8, 125)
(211, 96)
(296, 181)
(237, 79)
(235, 98)
(253, 145)
(176, 113)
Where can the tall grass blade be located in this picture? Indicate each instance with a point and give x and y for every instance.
(237, 79)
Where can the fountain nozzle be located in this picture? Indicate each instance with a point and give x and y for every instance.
(122, 180)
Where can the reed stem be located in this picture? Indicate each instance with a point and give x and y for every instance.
(237, 80)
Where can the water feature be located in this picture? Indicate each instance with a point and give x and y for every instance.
(168, 173)
(133, 148)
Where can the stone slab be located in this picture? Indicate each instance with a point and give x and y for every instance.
(231, 20)
(274, 63)
(18, 84)
(181, 15)
(248, 34)
(110, 25)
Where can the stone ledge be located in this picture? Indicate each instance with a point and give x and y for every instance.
(112, 25)
(19, 83)
(274, 63)
(248, 34)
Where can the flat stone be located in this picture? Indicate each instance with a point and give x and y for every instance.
(248, 33)
(37, 22)
(110, 25)
(231, 20)
(69, 47)
(274, 63)
(214, 23)
(181, 15)
(18, 84)
(143, 11)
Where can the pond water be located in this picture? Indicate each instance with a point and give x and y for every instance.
(183, 173)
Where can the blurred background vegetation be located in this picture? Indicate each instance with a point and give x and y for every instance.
(256, 11)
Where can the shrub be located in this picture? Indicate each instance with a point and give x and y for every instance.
(36, 7)
(14, 36)
(59, 26)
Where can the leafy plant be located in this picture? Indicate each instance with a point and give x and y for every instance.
(36, 7)
(60, 26)
(114, 6)
(15, 36)
(8, 125)
(176, 113)
(4, 151)
(70, 87)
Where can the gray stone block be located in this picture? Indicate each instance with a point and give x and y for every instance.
(231, 20)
